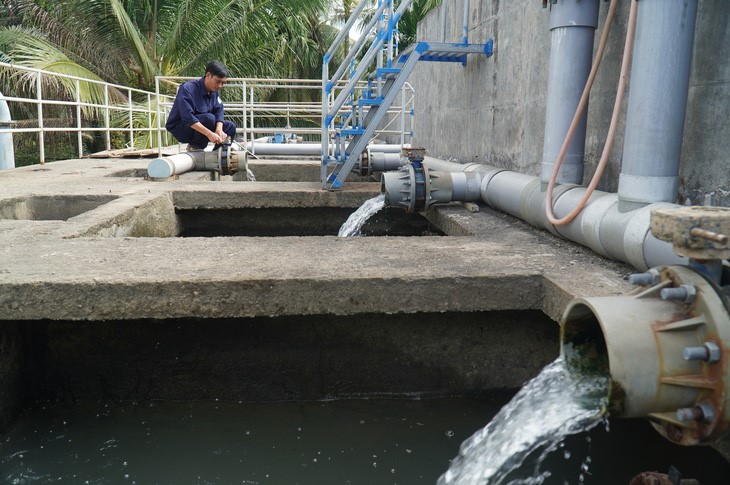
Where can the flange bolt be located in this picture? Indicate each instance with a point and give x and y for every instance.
(651, 277)
(702, 412)
(709, 352)
(685, 293)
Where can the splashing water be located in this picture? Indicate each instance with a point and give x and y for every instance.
(550, 407)
(354, 223)
(250, 176)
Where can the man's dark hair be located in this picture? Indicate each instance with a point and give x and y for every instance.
(217, 68)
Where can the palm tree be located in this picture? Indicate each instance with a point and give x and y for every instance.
(129, 42)
(408, 23)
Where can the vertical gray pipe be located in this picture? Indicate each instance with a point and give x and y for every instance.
(444, 7)
(657, 102)
(465, 26)
(572, 28)
(7, 154)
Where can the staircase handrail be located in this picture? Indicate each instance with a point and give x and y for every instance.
(364, 64)
(358, 45)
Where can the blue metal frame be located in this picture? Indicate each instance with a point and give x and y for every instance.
(384, 83)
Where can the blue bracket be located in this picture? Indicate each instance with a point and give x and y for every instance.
(489, 48)
(386, 70)
(353, 131)
(327, 120)
(370, 102)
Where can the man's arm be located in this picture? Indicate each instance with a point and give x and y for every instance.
(218, 113)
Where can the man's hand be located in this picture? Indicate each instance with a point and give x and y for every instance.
(217, 138)
(221, 134)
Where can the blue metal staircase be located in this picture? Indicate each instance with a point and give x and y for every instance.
(367, 104)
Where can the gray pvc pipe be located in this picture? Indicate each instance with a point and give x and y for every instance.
(601, 226)
(572, 28)
(657, 101)
(7, 153)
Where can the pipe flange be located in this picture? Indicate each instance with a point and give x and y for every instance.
(704, 320)
(363, 167)
(227, 160)
(667, 357)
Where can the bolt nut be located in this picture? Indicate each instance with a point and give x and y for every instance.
(684, 293)
(709, 352)
(651, 277)
(701, 412)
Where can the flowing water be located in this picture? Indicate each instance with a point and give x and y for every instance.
(550, 407)
(354, 223)
(250, 176)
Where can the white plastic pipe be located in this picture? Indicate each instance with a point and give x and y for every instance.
(313, 149)
(164, 167)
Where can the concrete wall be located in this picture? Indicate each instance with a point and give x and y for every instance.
(493, 110)
(270, 359)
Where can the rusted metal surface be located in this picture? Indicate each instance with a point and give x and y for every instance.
(696, 232)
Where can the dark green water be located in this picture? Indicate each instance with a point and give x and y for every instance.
(367, 442)
(336, 442)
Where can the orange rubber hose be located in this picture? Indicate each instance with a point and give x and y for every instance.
(625, 64)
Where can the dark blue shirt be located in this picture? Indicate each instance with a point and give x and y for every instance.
(191, 100)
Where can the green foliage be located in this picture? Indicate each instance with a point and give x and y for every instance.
(129, 42)
(408, 24)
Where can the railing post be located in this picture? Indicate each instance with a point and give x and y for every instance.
(253, 150)
(149, 118)
(79, 124)
(159, 116)
(245, 113)
(41, 134)
(106, 117)
(131, 119)
(403, 115)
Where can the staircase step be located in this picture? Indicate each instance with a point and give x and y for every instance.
(443, 57)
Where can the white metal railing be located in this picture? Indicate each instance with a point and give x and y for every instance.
(132, 105)
(135, 112)
(255, 116)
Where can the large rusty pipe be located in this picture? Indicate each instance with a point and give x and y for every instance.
(664, 349)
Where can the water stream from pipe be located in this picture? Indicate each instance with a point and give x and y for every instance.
(547, 409)
(357, 219)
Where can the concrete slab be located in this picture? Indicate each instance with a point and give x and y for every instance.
(92, 266)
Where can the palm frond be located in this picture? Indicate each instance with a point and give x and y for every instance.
(27, 48)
